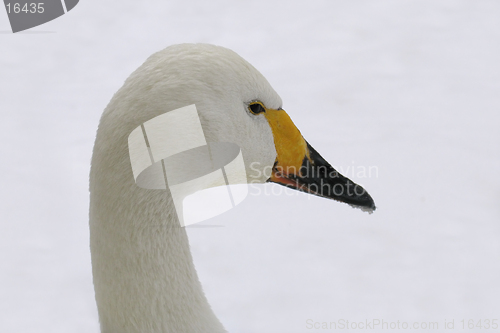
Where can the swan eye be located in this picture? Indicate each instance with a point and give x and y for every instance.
(256, 108)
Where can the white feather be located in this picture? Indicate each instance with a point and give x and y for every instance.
(144, 277)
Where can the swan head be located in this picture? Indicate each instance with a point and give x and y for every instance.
(144, 277)
(236, 104)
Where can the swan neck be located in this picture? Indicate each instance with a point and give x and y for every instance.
(144, 276)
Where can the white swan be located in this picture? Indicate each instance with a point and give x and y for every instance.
(144, 277)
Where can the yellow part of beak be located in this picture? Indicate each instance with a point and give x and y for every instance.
(291, 148)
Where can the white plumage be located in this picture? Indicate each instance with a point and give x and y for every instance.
(144, 277)
(143, 272)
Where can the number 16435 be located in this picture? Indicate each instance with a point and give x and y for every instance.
(26, 8)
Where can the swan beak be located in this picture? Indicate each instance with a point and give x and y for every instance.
(299, 166)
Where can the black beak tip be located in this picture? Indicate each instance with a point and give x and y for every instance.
(368, 206)
(362, 201)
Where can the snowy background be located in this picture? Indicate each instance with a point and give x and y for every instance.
(409, 87)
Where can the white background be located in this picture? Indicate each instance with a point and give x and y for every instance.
(411, 87)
